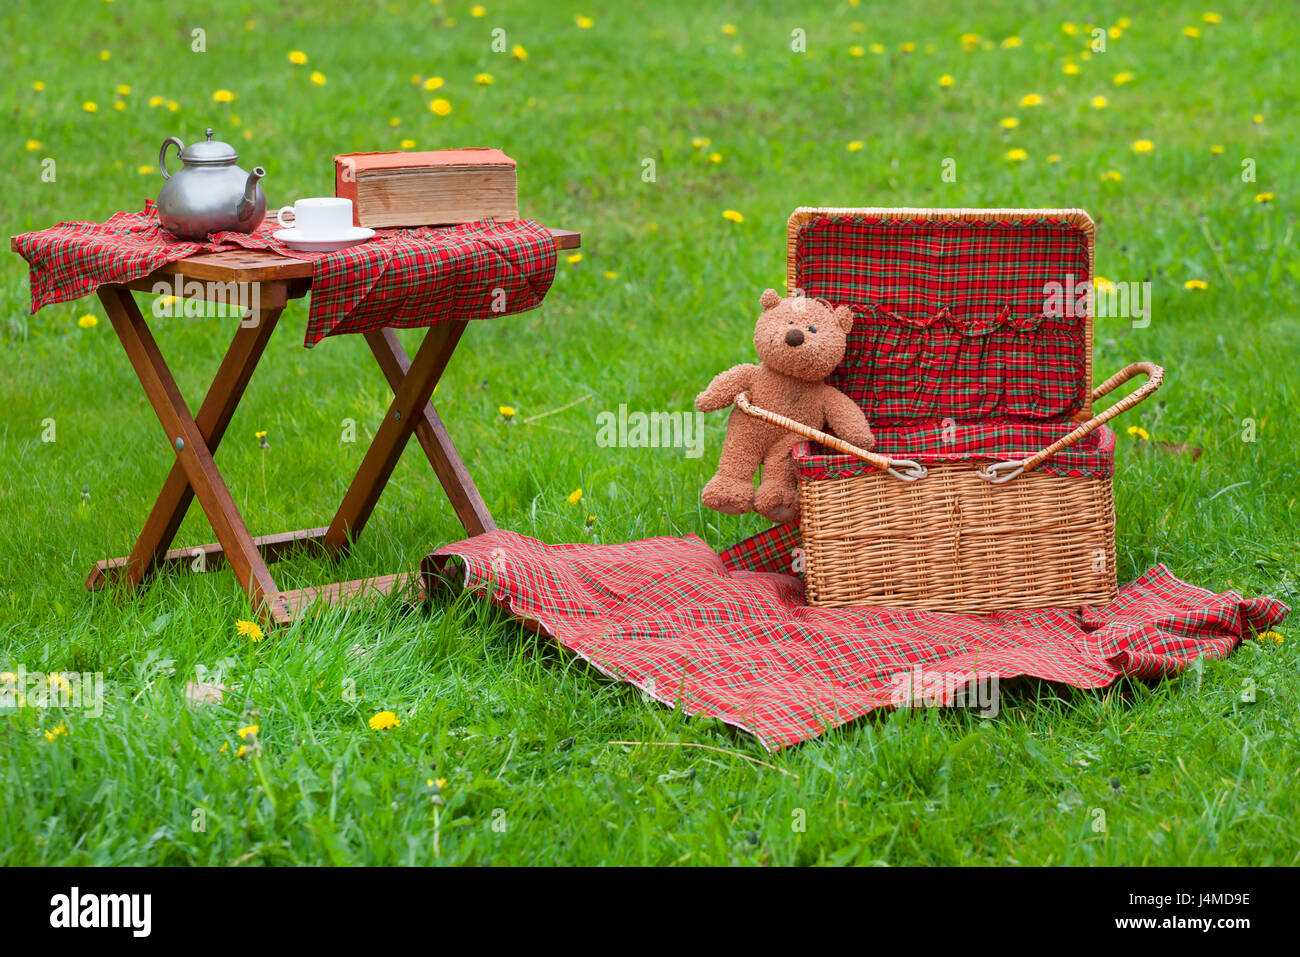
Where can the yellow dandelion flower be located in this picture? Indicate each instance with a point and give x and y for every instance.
(408, 144)
(729, 29)
(1099, 102)
(946, 80)
(123, 90)
(245, 731)
(970, 40)
(38, 85)
(1140, 432)
(877, 48)
(1263, 197)
(507, 411)
(119, 104)
(1112, 176)
(33, 144)
(855, 145)
(156, 101)
(733, 216)
(715, 157)
(223, 96)
(575, 496)
(249, 629)
(105, 55)
(90, 106)
(1273, 636)
(243, 750)
(610, 274)
(1143, 146)
(1102, 284)
(1010, 43)
(1124, 23)
(1216, 149)
(1069, 29)
(700, 142)
(483, 79)
(584, 23)
(433, 83)
(1257, 118)
(144, 170)
(56, 732)
(477, 11)
(518, 52)
(1211, 17)
(88, 321)
(1008, 122)
(1053, 157)
(440, 106)
(297, 57)
(1193, 32)
(1031, 99)
(1070, 68)
(1115, 32)
(1197, 284)
(318, 77)
(907, 47)
(856, 50)
(383, 721)
(1121, 78)
(1016, 155)
(573, 258)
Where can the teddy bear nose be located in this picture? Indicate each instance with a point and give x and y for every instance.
(794, 338)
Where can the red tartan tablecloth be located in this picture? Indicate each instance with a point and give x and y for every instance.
(670, 617)
(401, 278)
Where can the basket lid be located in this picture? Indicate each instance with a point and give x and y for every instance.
(962, 313)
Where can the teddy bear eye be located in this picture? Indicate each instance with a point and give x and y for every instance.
(812, 328)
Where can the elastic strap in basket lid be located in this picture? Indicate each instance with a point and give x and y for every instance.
(963, 313)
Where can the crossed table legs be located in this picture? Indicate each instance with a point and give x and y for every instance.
(194, 439)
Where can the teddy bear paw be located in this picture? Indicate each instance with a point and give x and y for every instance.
(777, 504)
(729, 496)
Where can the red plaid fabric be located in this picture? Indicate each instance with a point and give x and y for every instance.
(401, 278)
(950, 316)
(668, 616)
(1093, 455)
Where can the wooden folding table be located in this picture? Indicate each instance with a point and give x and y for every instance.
(193, 439)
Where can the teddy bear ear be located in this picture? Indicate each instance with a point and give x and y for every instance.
(844, 316)
(769, 299)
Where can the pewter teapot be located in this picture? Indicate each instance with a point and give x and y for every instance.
(209, 193)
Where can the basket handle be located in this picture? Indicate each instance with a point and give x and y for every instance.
(911, 471)
(999, 472)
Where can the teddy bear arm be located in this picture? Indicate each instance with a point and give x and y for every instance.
(846, 418)
(724, 388)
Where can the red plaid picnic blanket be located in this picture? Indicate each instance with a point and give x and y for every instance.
(672, 618)
(401, 278)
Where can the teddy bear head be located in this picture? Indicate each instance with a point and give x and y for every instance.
(801, 337)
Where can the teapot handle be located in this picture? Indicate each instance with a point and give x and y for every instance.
(162, 154)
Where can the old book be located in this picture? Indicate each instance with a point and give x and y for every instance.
(435, 188)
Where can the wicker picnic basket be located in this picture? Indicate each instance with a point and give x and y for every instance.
(990, 484)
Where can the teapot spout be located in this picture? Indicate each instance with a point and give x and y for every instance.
(248, 205)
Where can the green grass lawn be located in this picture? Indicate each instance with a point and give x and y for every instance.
(663, 297)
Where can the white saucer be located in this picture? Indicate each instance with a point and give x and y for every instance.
(323, 242)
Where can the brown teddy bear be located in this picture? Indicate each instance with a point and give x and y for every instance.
(800, 341)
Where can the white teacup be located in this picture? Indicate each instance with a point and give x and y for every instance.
(318, 216)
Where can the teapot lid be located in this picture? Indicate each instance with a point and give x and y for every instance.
(211, 152)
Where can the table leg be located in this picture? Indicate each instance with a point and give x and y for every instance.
(214, 416)
(411, 397)
(434, 439)
(191, 449)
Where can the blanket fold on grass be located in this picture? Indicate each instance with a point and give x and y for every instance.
(670, 617)
(402, 278)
